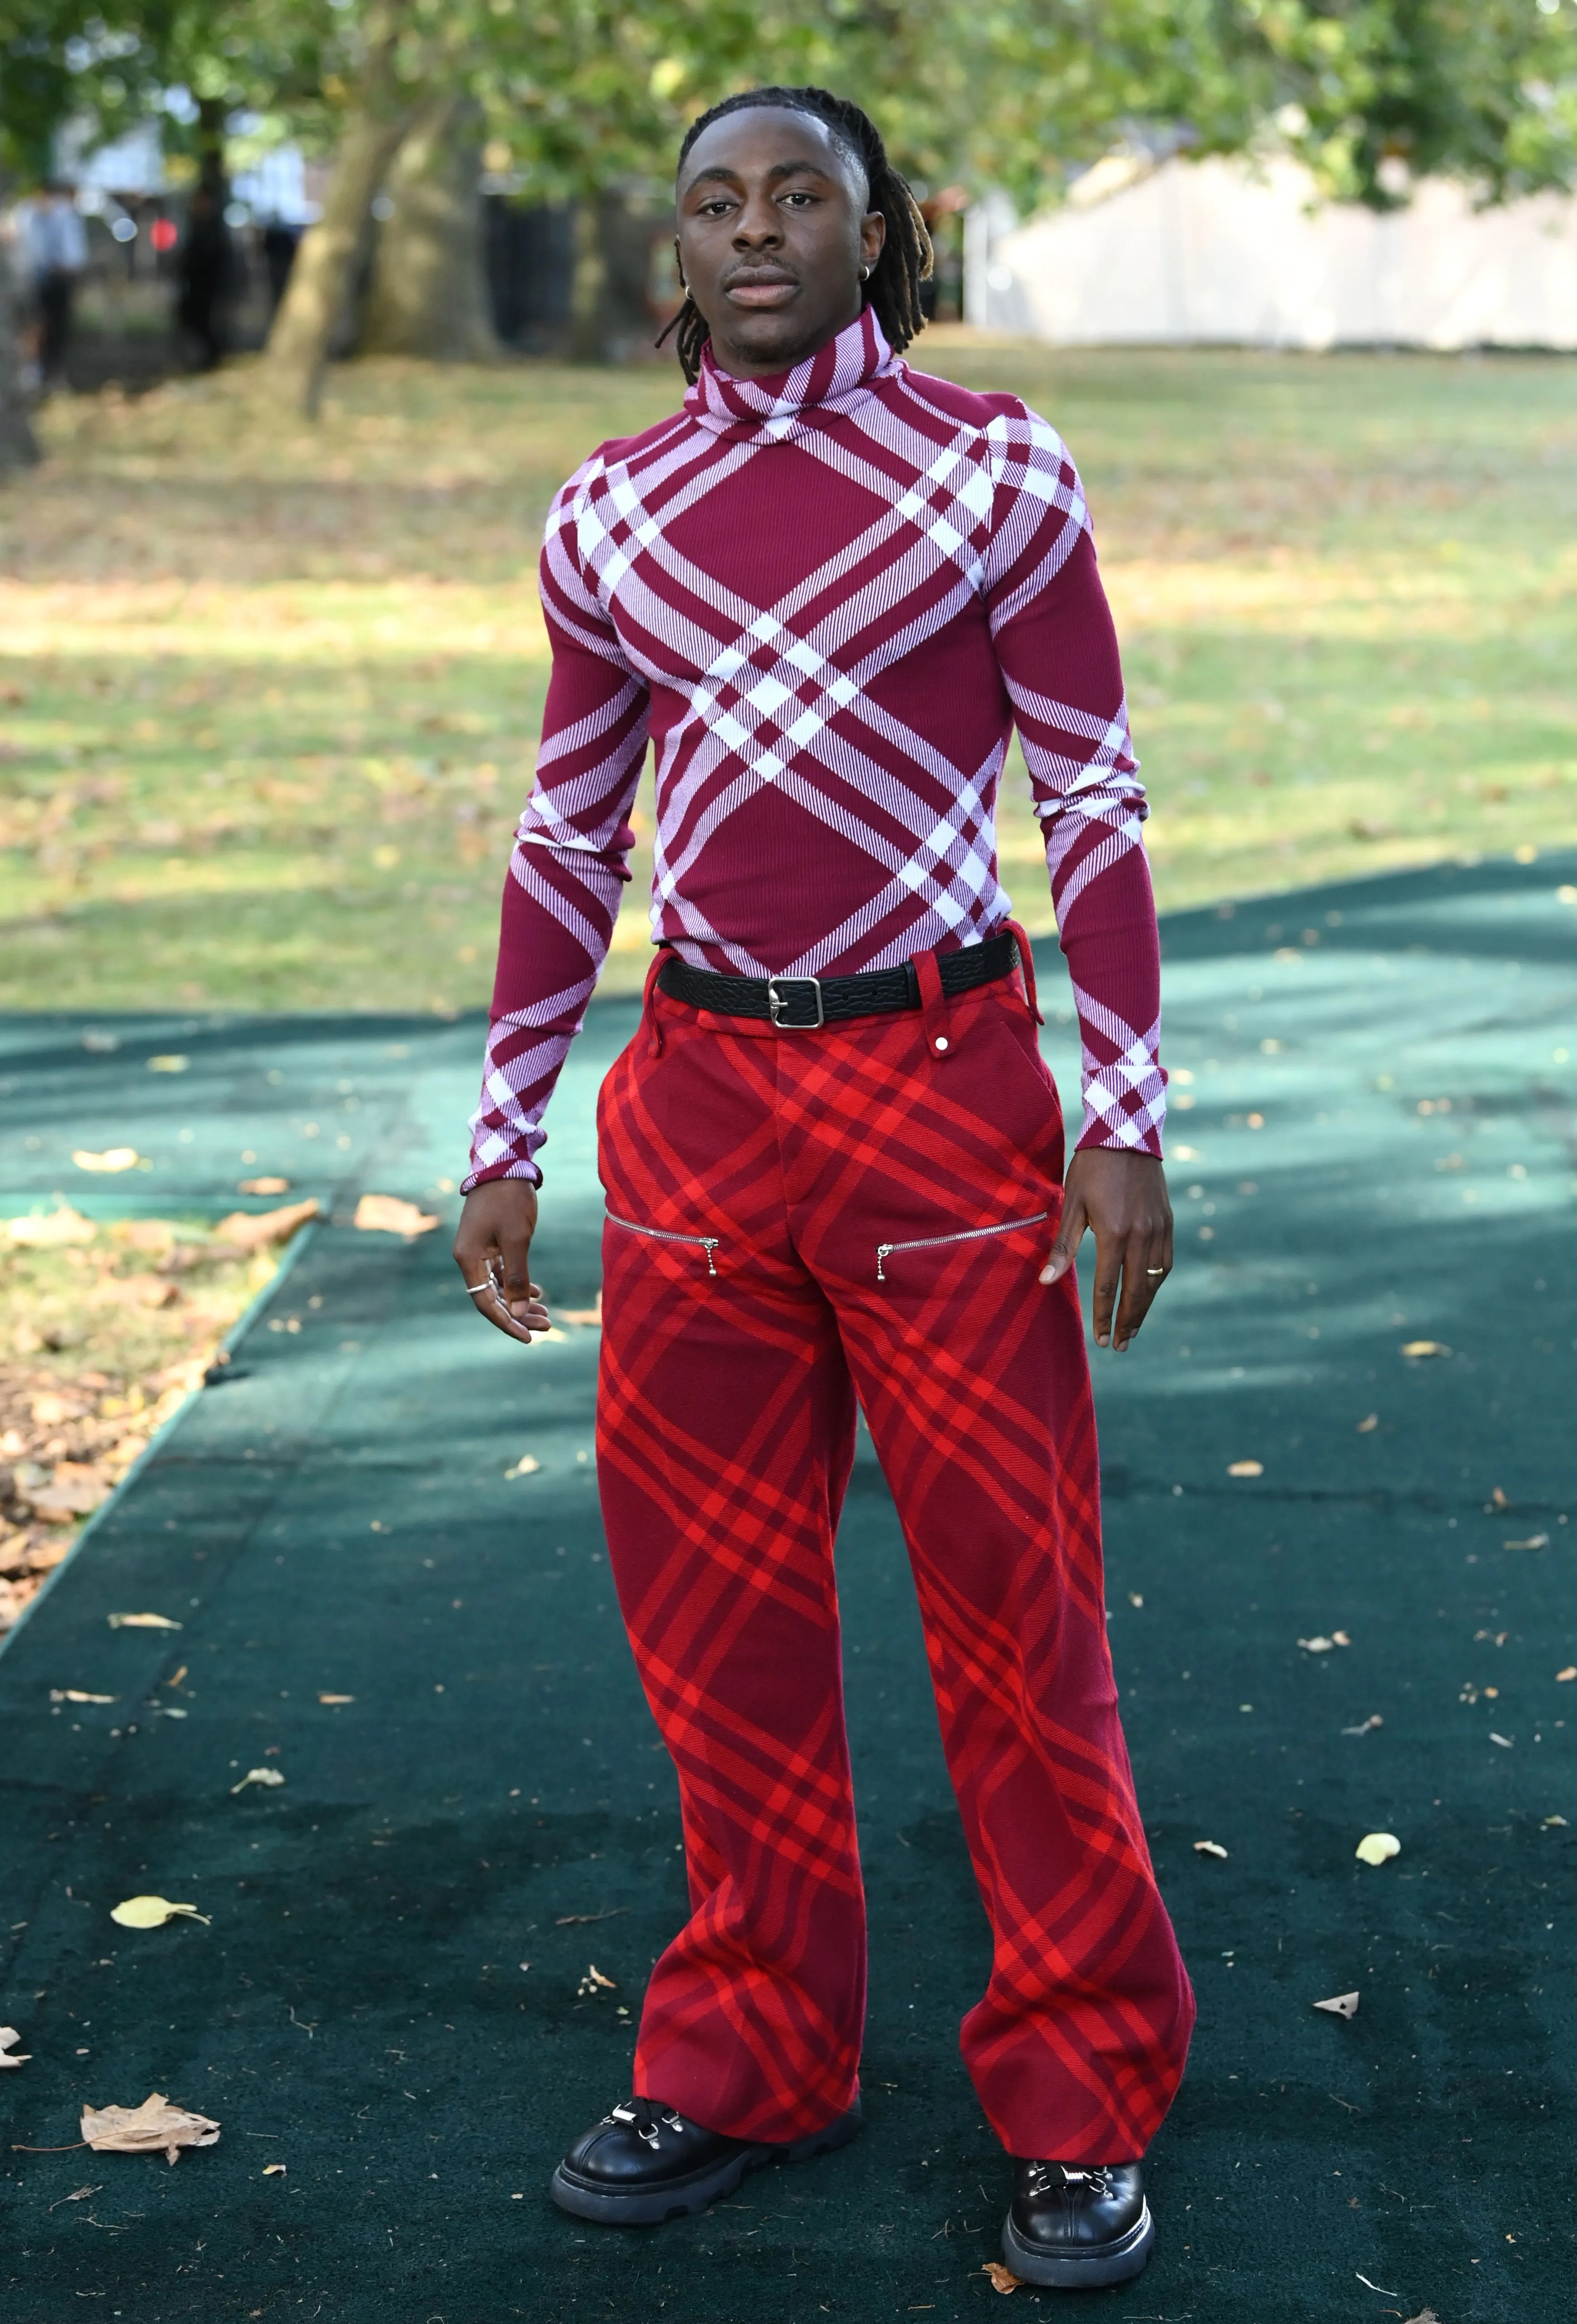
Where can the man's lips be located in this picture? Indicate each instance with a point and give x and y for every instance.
(766, 290)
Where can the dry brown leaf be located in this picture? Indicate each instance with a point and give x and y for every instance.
(1317, 1645)
(113, 1159)
(387, 1215)
(255, 1230)
(1424, 2315)
(75, 1491)
(274, 2170)
(1378, 1848)
(75, 1695)
(1372, 1721)
(1534, 1541)
(62, 1226)
(1425, 1348)
(141, 1622)
(1341, 2004)
(1339, 1638)
(1247, 1468)
(263, 1186)
(268, 1777)
(1367, 1428)
(526, 1466)
(153, 1912)
(334, 1698)
(1556, 1819)
(1002, 2278)
(1210, 1848)
(1568, 1672)
(156, 2127)
(593, 1981)
(9, 2053)
(1505, 1741)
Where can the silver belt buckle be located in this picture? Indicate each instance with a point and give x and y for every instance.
(775, 1003)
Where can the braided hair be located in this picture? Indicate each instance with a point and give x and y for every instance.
(905, 258)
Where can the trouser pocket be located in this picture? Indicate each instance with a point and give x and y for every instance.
(708, 1243)
(886, 1250)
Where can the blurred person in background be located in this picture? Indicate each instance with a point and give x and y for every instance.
(204, 267)
(53, 245)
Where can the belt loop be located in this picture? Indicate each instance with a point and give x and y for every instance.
(1025, 969)
(648, 1016)
(938, 1020)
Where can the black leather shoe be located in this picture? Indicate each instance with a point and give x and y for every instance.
(1078, 2228)
(643, 2163)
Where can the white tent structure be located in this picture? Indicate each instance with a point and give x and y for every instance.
(1241, 253)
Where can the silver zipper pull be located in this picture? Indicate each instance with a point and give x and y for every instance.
(710, 1244)
(885, 1250)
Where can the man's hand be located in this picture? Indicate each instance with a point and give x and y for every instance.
(1122, 1195)
(492, 1250)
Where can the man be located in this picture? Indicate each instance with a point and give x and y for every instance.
(56, 246)
(833, 1161)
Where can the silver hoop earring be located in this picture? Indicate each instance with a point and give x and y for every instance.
(864, 274)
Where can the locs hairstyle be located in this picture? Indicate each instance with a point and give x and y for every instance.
(894, 288)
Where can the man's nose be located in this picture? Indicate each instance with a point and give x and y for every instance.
(758, 225)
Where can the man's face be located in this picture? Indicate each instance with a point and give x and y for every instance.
(773, 230)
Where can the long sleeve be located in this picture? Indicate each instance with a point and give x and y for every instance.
(1057, 649)
(569, 862)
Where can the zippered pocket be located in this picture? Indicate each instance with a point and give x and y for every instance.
(885, 1250)
(708, 1244)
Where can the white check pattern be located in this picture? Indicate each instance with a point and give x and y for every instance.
(862, 705)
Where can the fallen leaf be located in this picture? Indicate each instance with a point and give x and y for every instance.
(1498, 1499)
(1316, 1646)
(168, 1064)
(62, 1226)
(113, 1159)
(152, 2128)
(1425, 1348)
(9, 2038)
(387, 1215)
(1562, 1675)
(1378, 2287)
(274, 2170)
(1210, 1848)
(1424, 2315)
(1134, 1597)
(1534, 1541)
(153, 1912)
(526, 1466)
(141, 1622)
(263, 1186)
(590, 1317)
(336, 1698)
(1367, 1428)
(1373, 1720)
(255, 1230)
(1002, 2278)
(1247, 1468)
(1341, 2004)
(1505, 1741)
(266, 1776)
(75, 1695)
(1339, 1638)
(1555, 1820)
(1378, 1848)
(593, 1981)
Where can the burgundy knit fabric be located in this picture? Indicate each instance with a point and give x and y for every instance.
(824, 600)
(792, 1223)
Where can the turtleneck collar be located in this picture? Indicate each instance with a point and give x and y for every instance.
(827, 383)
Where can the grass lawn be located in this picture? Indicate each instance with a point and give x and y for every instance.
(268, 694)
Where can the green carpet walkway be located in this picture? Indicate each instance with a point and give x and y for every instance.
(1380, 1150)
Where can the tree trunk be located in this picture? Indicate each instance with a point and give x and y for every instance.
(429, 293)
(18, 445)
(319, 291)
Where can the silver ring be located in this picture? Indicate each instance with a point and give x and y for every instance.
(489, 1285)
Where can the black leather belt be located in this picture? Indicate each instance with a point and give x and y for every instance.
(802, 1004)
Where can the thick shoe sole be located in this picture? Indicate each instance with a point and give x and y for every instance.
(681, 2198)
(1089, 2271)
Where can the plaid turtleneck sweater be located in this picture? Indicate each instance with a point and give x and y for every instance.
(824, 599)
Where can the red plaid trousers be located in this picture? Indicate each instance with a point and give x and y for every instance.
(795, 1221)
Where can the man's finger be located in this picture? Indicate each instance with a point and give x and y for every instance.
(1070, 1235)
